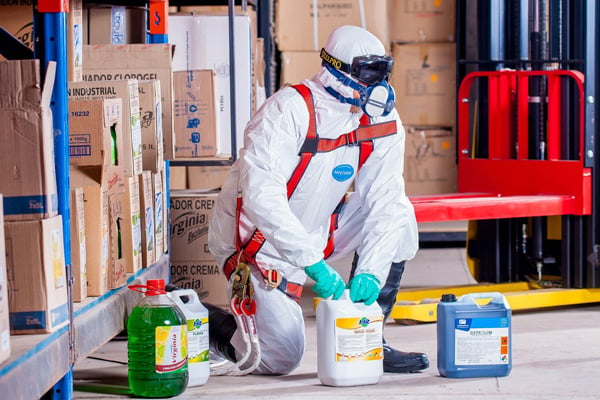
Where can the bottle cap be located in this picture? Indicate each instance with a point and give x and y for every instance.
(155, 287)
(448, 297)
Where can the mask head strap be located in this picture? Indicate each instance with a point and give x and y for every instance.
(368, 70)
(328, 59)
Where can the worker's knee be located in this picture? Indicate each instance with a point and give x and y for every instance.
(282, 344)
(282, 357)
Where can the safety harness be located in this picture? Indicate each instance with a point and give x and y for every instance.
(363, 136)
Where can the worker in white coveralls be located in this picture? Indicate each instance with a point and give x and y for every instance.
(285, 209)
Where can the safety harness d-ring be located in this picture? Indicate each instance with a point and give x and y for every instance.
(243, 308)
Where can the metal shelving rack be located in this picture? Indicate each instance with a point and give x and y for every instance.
(41, 366)
(264, 15)
(98, 320)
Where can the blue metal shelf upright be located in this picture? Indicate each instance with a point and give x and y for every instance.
(26, 374)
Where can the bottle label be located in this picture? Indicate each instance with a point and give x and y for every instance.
(198, 340)
(481, 341)
(359, 339)
(171, 348)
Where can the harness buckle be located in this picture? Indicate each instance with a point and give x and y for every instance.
(352, 138)
(273, 278)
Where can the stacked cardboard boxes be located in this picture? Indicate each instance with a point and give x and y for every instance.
(114, 24)
(139, 62)
(424, 79)
(302, 27)
(17, 19)
(78, 246)
(420, 36)
(33, 235)
(210, 35)
(96, 146)
(192, 264)
(430, 160)
(149, 66)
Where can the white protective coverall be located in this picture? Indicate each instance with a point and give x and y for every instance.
(377, 221)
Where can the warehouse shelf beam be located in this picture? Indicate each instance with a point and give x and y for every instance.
(97, 320)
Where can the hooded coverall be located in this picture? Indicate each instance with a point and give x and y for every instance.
(377, 220)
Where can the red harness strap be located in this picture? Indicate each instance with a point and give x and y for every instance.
(363, 136)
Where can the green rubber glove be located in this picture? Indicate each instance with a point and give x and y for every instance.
(364, 288)
(328, 281)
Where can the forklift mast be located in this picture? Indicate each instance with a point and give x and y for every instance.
(535, 35)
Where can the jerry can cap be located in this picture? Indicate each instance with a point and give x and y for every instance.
(448, 297)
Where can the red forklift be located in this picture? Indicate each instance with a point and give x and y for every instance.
(526, 145)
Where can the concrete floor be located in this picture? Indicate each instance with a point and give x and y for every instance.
(556, 355)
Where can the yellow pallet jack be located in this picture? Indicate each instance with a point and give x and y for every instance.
(420, 305)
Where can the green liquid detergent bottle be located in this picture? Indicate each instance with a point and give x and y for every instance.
(157, 344)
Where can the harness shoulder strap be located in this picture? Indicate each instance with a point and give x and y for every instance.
(311, 134)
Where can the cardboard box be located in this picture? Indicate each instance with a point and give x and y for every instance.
(131, 229)
(152, 134)
(190, 212)
(424, 79)
(131, 157)
(28, 181)
(205, 277)
(301, 27)
(95, 132)
(116, 275)
(430, 160)
(258, 62)
(259, 70)
(250, 11)
(160, 205)
(147, 219)
(422, 20)
(4, 317)
(210, 36)
(177, 178)
(75, 41)
(116, 24)
(141, 62)
(194, 114)
(298, 65)
(78, 250)
(96, 230)
(37, 282)
(18, 20)
(97, 183)
(166, 211)
(207, 177)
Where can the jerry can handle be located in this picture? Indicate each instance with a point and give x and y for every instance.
(190, 293)
(497, 297)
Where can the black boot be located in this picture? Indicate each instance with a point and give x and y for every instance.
(221, 327)
(395, 360)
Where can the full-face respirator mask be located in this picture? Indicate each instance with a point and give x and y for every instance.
(368, 75)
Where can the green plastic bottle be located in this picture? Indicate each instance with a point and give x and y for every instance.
(114, 155)
(157, 344)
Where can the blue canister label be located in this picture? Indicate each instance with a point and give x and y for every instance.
(481, 341)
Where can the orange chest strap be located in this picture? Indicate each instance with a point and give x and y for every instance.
(363, 136)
